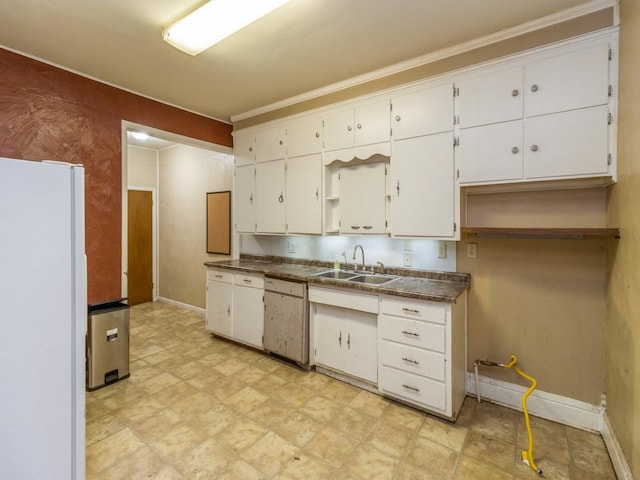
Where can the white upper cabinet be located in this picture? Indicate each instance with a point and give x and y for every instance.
(568, 81)
(303, 189)
(490, 98)
(270, 144)
(244, 149)
(363, 199)
(244, 199)
(366, 124)
(423, 186)
(270, 197)
(423, 111)
(304, 137)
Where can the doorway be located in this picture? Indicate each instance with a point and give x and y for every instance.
(140, 246)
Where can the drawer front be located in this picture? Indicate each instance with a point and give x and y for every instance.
(414, 333)
(414, 360)
(219, 275)
(427, 311)
(415, 388)
(344, 298)
(248, 280)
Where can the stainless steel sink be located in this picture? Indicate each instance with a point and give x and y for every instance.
(372, 279)
(336, 274)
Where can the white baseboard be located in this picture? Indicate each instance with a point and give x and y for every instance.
(557, 408)
(620, 465)
(182, 305)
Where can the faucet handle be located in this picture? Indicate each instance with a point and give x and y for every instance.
(381, 267)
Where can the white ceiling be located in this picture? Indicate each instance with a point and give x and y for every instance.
(305, 45)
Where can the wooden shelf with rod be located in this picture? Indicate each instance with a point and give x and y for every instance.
(550, 233)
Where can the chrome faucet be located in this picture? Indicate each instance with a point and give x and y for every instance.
(354, 254)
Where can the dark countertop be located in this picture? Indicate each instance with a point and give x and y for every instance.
(417, 284)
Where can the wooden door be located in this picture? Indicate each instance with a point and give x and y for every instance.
(140, 247)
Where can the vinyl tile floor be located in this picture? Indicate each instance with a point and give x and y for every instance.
(200, 407)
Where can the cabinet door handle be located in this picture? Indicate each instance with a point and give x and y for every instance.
(515, 92)
(280, 198)
(515, 150)
(410, 333)
(349, 341)
(359, 126)
(415, 362)
(229, 310)
(251, 198)
(317, 195)
(410, 310)
(246, 280)
(367, 227)
(409, 387)
(340, 338)
(534, 88)
(534, 148)
(397, 118)
(398, 187)
(349, 128)
(251, 149)
(281, 142)
(355, 227)
(317, 134)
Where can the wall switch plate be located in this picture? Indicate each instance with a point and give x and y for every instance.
(406, 245)
(406, 259)
(292, 247)
(472, 250)
(442, 250)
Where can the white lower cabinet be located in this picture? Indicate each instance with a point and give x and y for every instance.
(235, 306)
(421, 353)
(345, 339)
(248, 308)
(219, 302)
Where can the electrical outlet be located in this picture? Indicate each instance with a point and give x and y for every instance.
(442, 250)
(472, 250)
(406, 259)
(407, 246)
(292, 247)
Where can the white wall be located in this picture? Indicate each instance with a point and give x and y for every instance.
(142, 167)
(424, 253)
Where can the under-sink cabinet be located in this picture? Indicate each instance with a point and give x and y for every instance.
(345, 332)
(421, 357)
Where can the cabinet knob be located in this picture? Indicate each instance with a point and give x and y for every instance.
(349, 128)
(280, 198)
(397, 118)
(281, 142)
(534, 148)
(515, 92)
(251, 149)
(359, 126)
(534, 88)
(515, 150)
(317, 134)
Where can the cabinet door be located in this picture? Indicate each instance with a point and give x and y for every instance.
(243, 149)
(284, 328)
(303, 180)
(372, 122)
(361, 345)
(362, 199)
(490, 98)
(304, 137)
(423, 112)
(329, 323)
(338, 129)
(270, 144)
(569, 81)
(567, 144)
(422, 186)
(270, 190)
(219, 304)
(243, 199)
(248, 315)
(490, 153)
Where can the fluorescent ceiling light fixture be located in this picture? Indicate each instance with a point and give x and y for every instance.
(214, 21)
(139, 135)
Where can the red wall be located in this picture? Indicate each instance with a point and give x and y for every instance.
(48, 113)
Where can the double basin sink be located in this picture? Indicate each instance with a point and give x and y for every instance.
(358, 277)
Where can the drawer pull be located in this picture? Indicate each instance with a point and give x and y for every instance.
(218, 276)
(410, 310)
(411, 333)
(246, 280)
(415, 362)
(409, 387)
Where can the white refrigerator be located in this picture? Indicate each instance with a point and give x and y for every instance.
(43, 320)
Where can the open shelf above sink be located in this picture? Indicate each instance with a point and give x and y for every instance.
(551, 233)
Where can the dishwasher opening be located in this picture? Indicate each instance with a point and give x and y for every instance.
(286, 319)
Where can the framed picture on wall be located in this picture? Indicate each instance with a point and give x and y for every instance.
(219, 222)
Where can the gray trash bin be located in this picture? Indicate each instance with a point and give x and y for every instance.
(107, 343)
